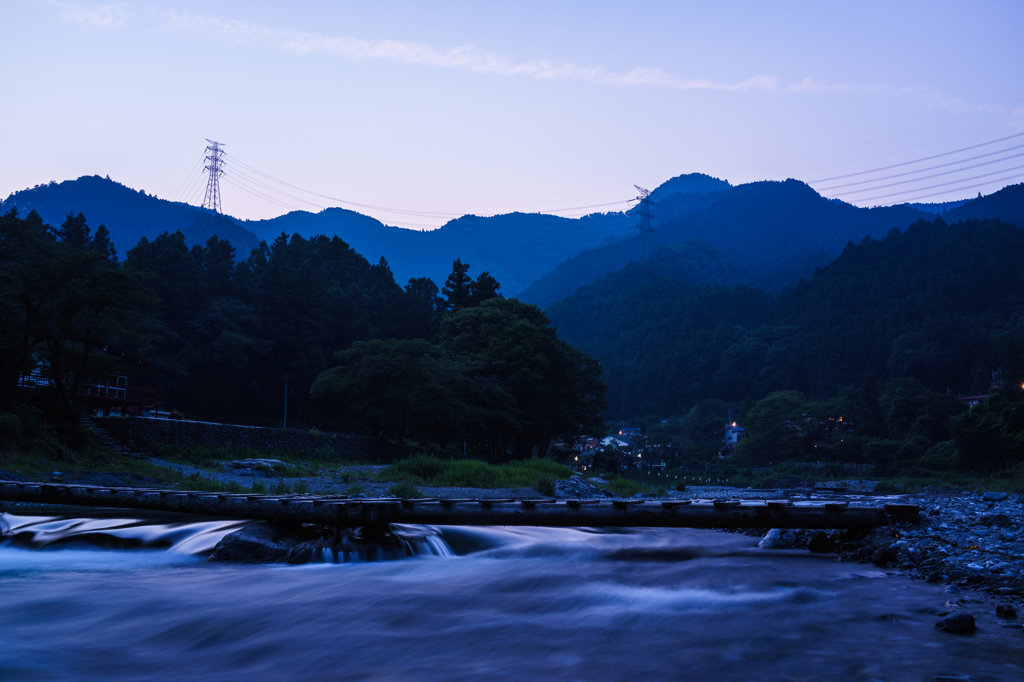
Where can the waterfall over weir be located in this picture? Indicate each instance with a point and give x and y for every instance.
(188, 536)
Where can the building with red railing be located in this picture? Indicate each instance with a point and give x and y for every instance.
(106, 396)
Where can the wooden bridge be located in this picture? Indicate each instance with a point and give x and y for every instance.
(346, 512)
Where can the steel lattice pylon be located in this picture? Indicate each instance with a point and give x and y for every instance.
(215, 163)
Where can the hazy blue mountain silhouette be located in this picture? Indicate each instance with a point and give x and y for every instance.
(692, 183)
(516, 248)
(777, 231)
(1007, 205)
(128, 214)
(773, 233)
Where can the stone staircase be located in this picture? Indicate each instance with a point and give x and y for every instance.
(108, 441)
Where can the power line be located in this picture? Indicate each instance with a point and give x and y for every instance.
(421, 214)
(196, 190)
(257, 182)
(907, 163)
(189, 177)
(891, 137)
(922, 170)
(945, 184)
(929, 177)
(257, 193)
(190, 193)
(958, 189)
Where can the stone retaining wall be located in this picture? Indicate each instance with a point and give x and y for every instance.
(135, 432)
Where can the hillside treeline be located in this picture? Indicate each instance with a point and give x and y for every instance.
(938, 303)
(887, 335)
(229, 340)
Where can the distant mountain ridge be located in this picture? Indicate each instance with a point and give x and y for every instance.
(773, 232)
(778, 231)
(515, 248)
(128, 214)
(936, 301)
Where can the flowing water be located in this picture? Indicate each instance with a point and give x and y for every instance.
(112, 597)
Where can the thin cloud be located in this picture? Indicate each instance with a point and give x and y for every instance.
(94, 18)
(466, 58)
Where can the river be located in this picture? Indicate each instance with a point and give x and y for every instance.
(115, 597)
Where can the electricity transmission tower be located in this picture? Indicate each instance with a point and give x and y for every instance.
(644, 215)
(215, 169)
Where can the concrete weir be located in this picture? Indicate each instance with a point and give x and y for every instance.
(344, 512)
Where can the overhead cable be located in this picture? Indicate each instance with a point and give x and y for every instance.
(422, 214)
(907, 163)
(952, 182)
(929, 177)
(923, 170)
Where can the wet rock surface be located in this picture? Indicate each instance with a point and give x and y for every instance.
(254, 464)
(259, 543)
(972, 542)
(957, 624)
(576, 488)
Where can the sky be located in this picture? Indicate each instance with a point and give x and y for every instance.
(417, 112)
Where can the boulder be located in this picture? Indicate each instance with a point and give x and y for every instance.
(255, 463)
(1006, 611)
(957, 624)
(994, 497)
(576, 488)
(257, 543)
(997, 520)
(819, 542)
(778, 538)
(883, 557)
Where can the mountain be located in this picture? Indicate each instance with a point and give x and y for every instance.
(128, 214)
(938, 302)
(1007, 205)
(515, 248)
(692, 183)
(779, 231)
(939, 208)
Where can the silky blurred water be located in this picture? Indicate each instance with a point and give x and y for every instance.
(133, 598)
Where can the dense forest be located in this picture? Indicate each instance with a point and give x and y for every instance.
(777, 231)
(938, 303)
(226, 339)
(128, 214)
(864, 362)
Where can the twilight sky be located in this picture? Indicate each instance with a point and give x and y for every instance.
(430, 112)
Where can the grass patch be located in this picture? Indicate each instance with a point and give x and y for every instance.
(430, 471)
(625, 487)
(405, 490)
(202, 483)
(545, 485)
(212, 457)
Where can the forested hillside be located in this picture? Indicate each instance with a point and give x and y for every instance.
(228, 340)
(938, 303)
(779, 231)
(128, 215)
(517, 248)
(1007, 205)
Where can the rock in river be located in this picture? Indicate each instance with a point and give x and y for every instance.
(957, 624)
(778, 538)
(258, 543)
